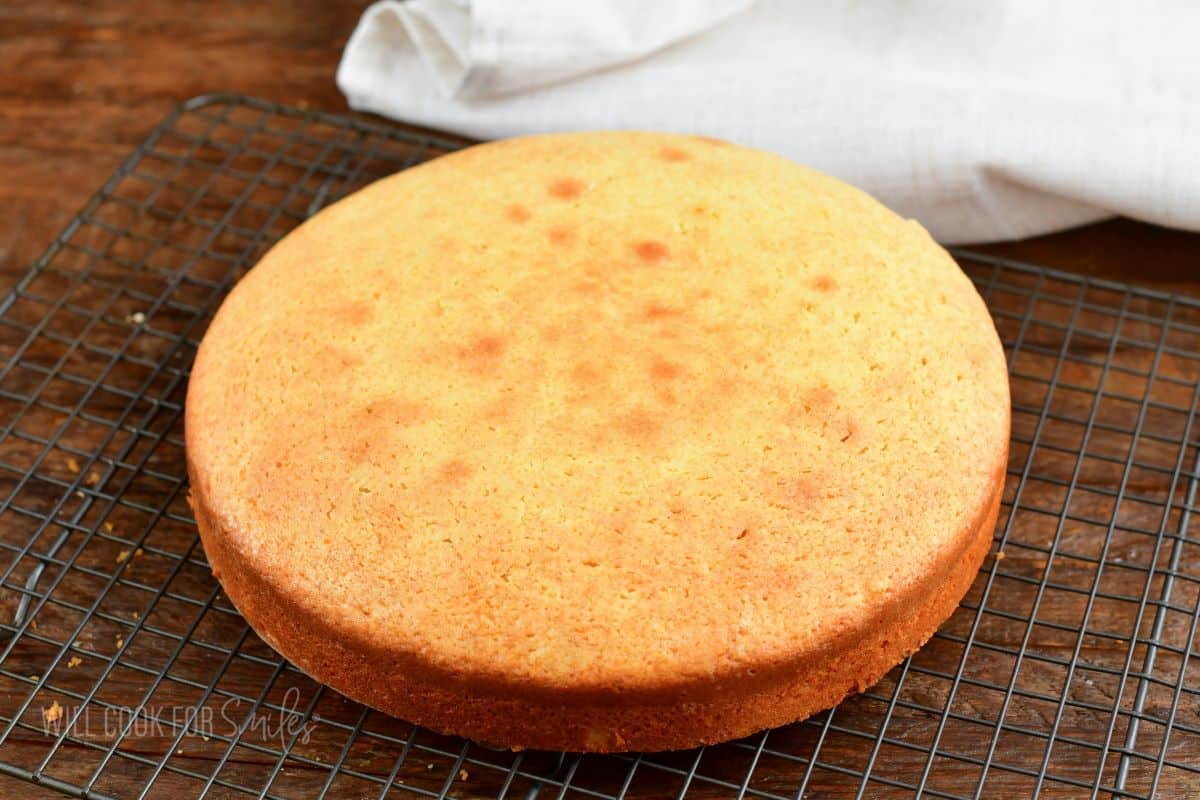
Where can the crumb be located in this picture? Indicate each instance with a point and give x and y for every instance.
(80, 494)
(138, 553)
(136, 615)
(136, 318)
(35, 677)
(93, 478)
(429, 766)
(463, 775)
(74, 662)
(33, 624)
(108, 527)
(53, 713)
(999, 555)
(122, 556)
(120, 642)
(205, 738)
(72, 464)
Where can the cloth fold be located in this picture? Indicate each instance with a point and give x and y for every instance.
(984, 121)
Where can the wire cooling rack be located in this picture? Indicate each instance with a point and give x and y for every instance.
(125, 672)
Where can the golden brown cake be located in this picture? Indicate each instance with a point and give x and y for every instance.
(601, 441)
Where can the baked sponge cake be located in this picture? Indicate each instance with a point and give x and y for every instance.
(598, 442)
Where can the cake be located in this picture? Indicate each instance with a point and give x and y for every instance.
(599, 442)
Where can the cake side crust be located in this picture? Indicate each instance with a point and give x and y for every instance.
(521, 717)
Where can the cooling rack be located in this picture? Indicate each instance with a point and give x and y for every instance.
(125, 672)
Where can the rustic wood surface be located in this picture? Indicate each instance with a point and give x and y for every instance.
(85, 82)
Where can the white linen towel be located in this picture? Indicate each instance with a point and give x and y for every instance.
(985, 121)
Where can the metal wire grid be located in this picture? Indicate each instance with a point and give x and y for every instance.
(124, 670)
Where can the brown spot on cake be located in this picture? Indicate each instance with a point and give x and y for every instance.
(354, 314)
(499, 409)
(446, 246)
(674, 154)
(845, 428)
(639, 424)
(566, 188)
(357, 449)
(712, 140)
(656, 312)
(818, 398)
(803, 490)
(662, 371)
(585, 374)
(588, 288)
(651, 252)
(824, 283)
(663, 375)
(455, 471)
(330, 359)
(814, 408)
(517, 213)
(483, 351)
(561, 235)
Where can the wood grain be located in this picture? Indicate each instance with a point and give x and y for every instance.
(85, 82)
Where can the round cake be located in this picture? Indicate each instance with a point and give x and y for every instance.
(596, 442)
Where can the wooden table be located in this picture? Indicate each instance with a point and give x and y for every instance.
(85, 81)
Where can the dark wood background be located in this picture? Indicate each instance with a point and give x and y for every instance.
(83, 82)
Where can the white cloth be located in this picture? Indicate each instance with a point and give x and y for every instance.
(984, 120)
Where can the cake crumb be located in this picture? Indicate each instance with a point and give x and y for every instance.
(73, 464)
(120, 641)
(108, 527)
(35, 677)
(122, 556)
(74, 662)
(136, 318)
(463, 775)
(429, 766)
(52, 714)
(999, 555)
(138, 553)
(93, 478)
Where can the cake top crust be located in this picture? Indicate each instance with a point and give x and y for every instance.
(599, 410)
